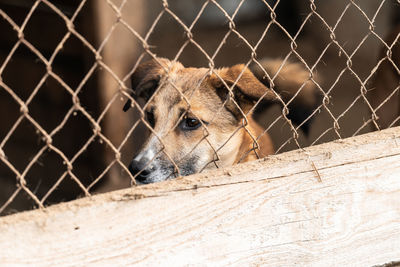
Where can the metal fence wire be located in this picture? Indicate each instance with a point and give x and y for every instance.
(100, 95)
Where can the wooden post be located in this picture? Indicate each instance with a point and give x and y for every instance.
(336, 204)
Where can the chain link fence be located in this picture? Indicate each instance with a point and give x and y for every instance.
(310, 72)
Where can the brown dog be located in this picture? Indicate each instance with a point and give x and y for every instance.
(202, 119)
(385, 96)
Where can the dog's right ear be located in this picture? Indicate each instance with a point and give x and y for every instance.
(246, 92)
(145, 80)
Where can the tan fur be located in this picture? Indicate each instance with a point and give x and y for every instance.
(220, 100)
(246, 152)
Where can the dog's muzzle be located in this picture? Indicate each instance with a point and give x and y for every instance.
(147, 171)
(140, 171)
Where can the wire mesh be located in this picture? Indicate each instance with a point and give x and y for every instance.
(67, 70)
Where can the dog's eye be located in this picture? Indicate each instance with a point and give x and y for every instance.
(189, 124)
(150, 118)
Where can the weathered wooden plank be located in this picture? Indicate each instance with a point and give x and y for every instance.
(271, 212)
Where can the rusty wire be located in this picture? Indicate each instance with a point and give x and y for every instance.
(124, 90)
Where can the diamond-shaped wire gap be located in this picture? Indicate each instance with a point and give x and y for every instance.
(66, 187)
(8, 39)
(363, 68)
(73, 62)
(133, 50)
(75, 135)
(289, 14)
(45, 172)
(331, 12)
(45, 39)
(356, 84)
(11, 112)
(89, 164)
(32, 72)
(370, 11)
(187, 11)
(9, 200)
(332, 66)
(378, 15)
(163, 41)
(120, 15)
(50, 105)
(355, 116)
(349, 40)
(383, 95)
(69, 22)
(345, 91)
(22, 147)
(74, 132)
(328, 14)
(189, 33)
(323, 126)
(7, 207)
(232, 16)
(235, 50)
(68, 8)
(277, 127)
(98, 176)
(207, 15)
(17, 10)
(91, 161)
(145, 42)
(19, 201)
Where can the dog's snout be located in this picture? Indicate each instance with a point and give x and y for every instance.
(140, 170)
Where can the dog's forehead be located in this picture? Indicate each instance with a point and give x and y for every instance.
(183, 84)
(187, 79)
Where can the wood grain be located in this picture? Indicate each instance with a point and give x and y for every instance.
(271, 212)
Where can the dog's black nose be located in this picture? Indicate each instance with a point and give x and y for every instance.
(138, 169)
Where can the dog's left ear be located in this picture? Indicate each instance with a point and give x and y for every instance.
(146, 78)
(246, 92)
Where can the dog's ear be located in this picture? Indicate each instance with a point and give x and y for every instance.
(246, 92)
(146, 78)
(294, 85)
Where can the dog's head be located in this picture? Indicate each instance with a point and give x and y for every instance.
(195, 117)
